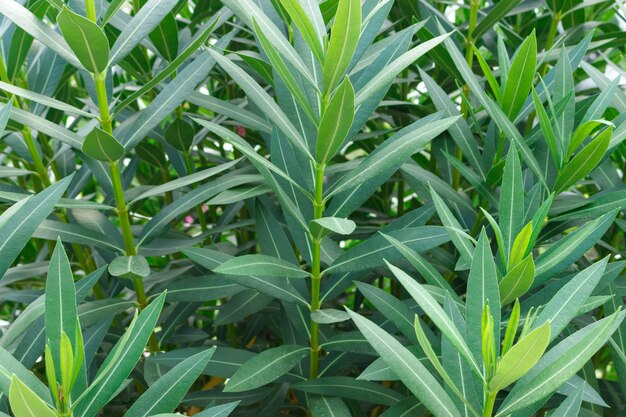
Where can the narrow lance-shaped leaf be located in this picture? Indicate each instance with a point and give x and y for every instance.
(584, 161)
(18, 224)
(437, 315)
(261, 265)
(303, 23)
(167, 392)
(520, 77)
(335, 123)
(521, 357)
(408, 368)
(266, 367)
(343, 42)
(25, 403)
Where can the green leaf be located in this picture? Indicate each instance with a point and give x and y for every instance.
(566, 303)
(306, 28)
(266, 367)
(333, 224)
(584, 161)
(584, 130)
(101, 146)
(45, 100)
(571, 247)
(569, 407)
(393, 152)
(520, 77)
(167, 392)
(324, 406)
(408, 368)
(511, 199)
(335, 123)
(347, 387)
(130, 267)
(520, 358)
(428, 272)
(343, 42)
(60, 303)
(560, 364)
(25, 403)
(329, 316)
(180, 135)
(261, 265)
(548, 131)
(86, 39)
(494, 111)
(258, 95)
(32, 25)
(372, 252)
(281, 68)
(437, 315)
(121, 361)
(482, 288)
(18, 223)
(517, 281)
(198, 41)
(495, 14)
(140, 26)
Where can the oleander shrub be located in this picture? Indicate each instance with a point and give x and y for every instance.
(333, 208)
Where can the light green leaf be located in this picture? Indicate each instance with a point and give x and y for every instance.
(520, 358)
(559, 364)
(335, 123)
(584, 161)
(520, 77)
(306, 28)
(517, 281)
(25, 403)
(343, 42)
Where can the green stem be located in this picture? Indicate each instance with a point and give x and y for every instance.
(118, 192)
(490, 401)
(316, 270)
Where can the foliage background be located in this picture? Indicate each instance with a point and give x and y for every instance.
(241, 171)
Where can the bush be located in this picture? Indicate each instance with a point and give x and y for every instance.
(303, 208)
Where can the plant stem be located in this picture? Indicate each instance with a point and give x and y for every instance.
(316, 269)
(490, 401)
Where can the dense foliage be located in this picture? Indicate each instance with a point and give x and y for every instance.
(301, 208)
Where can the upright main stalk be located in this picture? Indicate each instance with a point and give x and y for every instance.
(316, 269)
(106, 122)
